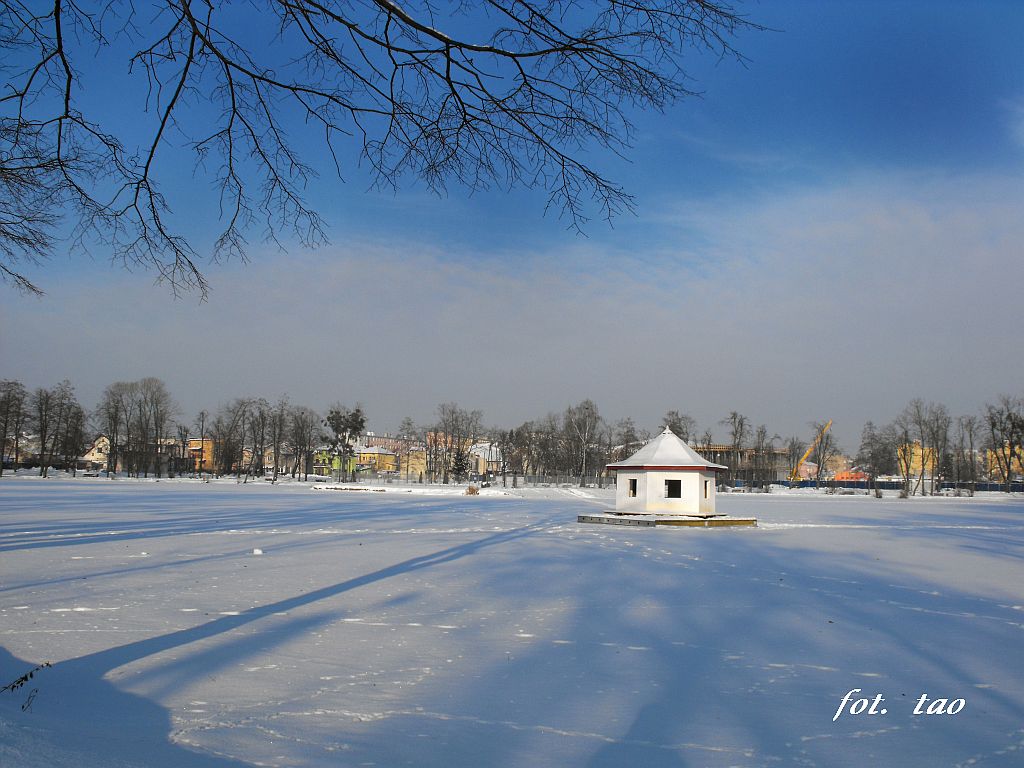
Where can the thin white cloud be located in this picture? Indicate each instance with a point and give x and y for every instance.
(842, 301)
(723, 152)
(1015, 117)
(875, 290)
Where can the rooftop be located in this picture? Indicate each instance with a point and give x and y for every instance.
(666, 451)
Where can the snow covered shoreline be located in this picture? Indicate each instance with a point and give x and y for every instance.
(443, 630)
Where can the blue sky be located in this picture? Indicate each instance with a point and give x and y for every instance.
(830, 230)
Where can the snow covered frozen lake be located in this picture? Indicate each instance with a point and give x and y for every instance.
(391, 629)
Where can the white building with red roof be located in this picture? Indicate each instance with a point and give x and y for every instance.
(666, 477)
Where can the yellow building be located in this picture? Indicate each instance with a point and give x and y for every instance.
(995, 464)
(913, 461)
(377, 459)
(415, 464)
(201, 454)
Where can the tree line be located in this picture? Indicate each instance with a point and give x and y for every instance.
(253, 437)
(925, 443)
(53, 415)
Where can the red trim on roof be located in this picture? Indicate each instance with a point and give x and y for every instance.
(619, 467)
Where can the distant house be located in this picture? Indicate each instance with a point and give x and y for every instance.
(410, 455)
(21, 452)
(485, 459)
(376, 458)
(98, 455)
(325, 463)
(666, 477)
(808, 470)
(201, 454)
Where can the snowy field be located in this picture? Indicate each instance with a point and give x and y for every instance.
(392, 629)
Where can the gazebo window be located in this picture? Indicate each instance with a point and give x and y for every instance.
(673, 489)
(632, 487)
(707, 489)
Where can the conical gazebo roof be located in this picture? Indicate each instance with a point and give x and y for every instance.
(666, 452)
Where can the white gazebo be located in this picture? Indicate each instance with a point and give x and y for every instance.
(666, 477)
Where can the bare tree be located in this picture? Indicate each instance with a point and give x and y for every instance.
(13, 413)
(917, 412)
(30, 193)
(504, 442)
(71, 441)
(527, 458)
(550, 450)
(582, 423)
(795, 448)
(965, 455)
(682, 425)
(433, 453)
(926, 427)
(202, 425)
(903, 429)
(516, 103)
(408, 433)
(1005, 422)
(137, 418)
(738, 430)
(937, 424)
(707, 439)
(604, 445)
(109, 417)
(130, 427)
(260, 418)
(65, 411)
(51, 411)
(303, 436)
(42, 413)
(456, 431)
(877, 453)
(227, 433)
(182, 435)
(627, 439)
(278, 431)
(763, 456)
(824, 450)
(156, 409)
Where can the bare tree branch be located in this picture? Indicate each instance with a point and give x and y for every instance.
(542, 82)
